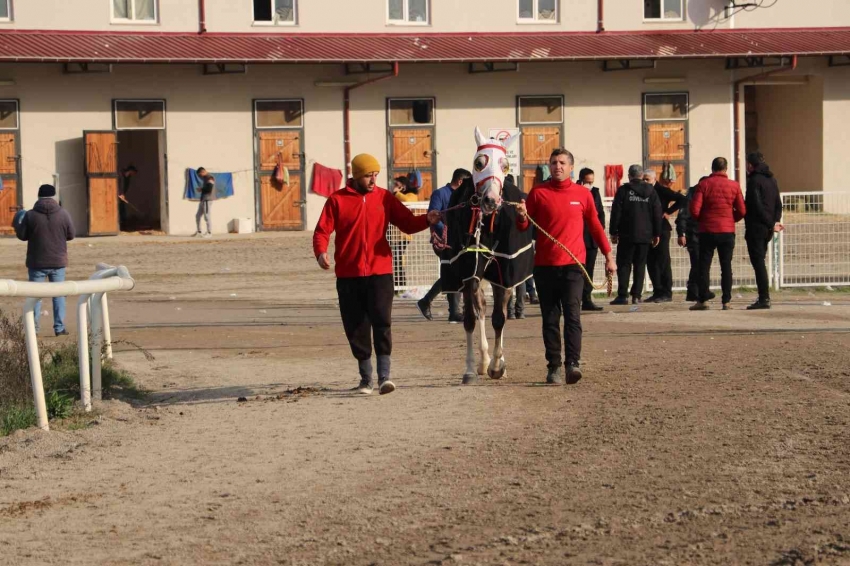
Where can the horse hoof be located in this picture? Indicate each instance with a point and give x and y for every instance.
(498, 372)
(469, 379)
(482, 369)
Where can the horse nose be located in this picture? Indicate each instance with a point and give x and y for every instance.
(490, 202)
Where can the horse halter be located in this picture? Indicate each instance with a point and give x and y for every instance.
(489, 168)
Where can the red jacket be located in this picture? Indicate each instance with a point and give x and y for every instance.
(563, 209)
(717, 204)
(360, 222)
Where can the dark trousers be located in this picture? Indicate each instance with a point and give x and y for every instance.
(631, 255)
(516, 304)
(757, 244)
(693, 274)
(725, 246)
(366, 306)
(559, 289)
(453, 298)
(660, 270)
(590, 263)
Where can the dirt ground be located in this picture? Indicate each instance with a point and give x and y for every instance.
(694, 438)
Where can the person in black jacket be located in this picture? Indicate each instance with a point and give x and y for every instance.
(635, 226)
(658, 260)
(585, 178)
(686, 230)
(764, 212)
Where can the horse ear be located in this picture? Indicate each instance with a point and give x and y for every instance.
(479, 137)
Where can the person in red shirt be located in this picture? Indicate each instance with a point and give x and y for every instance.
(717, 205)
(359, 214)
(562, 209)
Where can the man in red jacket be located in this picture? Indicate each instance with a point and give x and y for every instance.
(562, 209)
(359, 213)
(717, 204)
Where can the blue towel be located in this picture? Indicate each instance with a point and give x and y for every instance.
(223, 185)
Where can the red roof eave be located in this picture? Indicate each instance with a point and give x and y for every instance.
(185, 47)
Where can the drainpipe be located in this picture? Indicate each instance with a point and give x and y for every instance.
(202, 17)
(346, 111)
(737, 109)
(600, 24)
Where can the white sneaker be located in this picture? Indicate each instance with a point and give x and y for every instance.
(207, 235)
(387, 387)
(197, 235)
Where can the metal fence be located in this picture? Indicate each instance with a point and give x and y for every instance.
(813, 250)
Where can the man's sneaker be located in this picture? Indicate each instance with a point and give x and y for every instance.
(727, 307)
(590, 306)
(620, 301)
(424, 308)
(511, 315)
(555, 376)
(520, 315)
(663, 299)
(62, 333)
(207, 235)
(533, 300)
(365, 387)
(455, 318)
(698, 306)
(636, 300)
(759, 305)
(198, 235)
(573, 373)
(386, 386)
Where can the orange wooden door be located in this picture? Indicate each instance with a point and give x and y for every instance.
(281, 205)
(9, 203)
(668, 142)
(413, 149)
(101, 169)
(536, 145)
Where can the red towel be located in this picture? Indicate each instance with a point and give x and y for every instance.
(613, 176)
(326, 181)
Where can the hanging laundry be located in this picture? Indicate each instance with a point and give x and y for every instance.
(613, 177)
(668, 172)
(223, 185)
(414, 178)
(325, 181)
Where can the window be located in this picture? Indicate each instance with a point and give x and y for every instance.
(411, 112)
(538, 11)
(8, 114)
(140, 114)
(278, 113)
(541, 109)
(672, 10)
(411, 12)
(664, 107)
(136, 11)
(275, 12)
(5, 11)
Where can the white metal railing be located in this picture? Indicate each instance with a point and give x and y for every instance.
(105, 280)
(414, 262)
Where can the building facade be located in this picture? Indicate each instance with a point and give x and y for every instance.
(90, 87)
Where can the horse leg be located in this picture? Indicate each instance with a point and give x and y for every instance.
(498, 367)
(484, 347)
(469, 318)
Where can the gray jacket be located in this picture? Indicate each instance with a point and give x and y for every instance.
(46, 228)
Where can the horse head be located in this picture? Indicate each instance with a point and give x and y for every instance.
(489, 169)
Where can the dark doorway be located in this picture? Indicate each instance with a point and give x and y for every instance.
(144, 151)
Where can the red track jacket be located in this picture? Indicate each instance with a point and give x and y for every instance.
(562, 209)
(360, 222)
(717, 204)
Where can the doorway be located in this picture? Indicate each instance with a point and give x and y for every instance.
(665, 135)
(10, 170)
(412, 131)
(540, 120)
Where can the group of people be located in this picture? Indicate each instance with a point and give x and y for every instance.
(572, 216)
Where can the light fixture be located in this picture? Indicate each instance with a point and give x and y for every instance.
(663, 80)
(333, 84)
(7, 82)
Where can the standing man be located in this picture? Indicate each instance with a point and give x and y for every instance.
(440, 202)
(717, 205)
(585, 179)
(686, 229)
(127, 175)
(359, 213)
(764, 212)
(204, 205)
(658, 260)
(47, 229)
(635, 226)
(562, 209)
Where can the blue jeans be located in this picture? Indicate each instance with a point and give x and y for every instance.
(56, 275)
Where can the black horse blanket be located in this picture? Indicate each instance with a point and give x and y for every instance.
(504, 256)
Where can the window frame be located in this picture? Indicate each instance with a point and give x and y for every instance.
(133, 21)
(662, 19)
(536, 12)
(431, 124)
(520, 97)
(271, 22)
(17, 115)
(115, 102)
(405, 9)
(10, 17)
(674, 93)
(257, 115)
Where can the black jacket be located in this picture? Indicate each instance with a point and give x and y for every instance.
(636, 213)
(764, 207)
(671, 201)
(685, 223)
(46, 228)
(589, 242)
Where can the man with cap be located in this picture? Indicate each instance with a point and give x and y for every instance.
(359, 214)
(658, 259)
(764, 212)
(47, 229)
